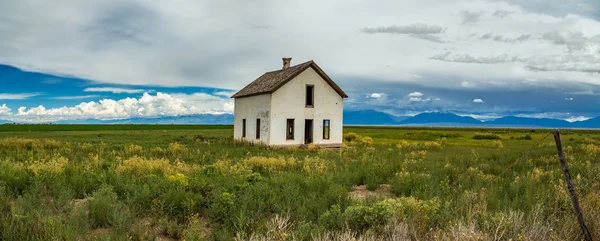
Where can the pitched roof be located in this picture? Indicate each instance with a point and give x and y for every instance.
(271, 81)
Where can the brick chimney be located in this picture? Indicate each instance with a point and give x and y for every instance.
(286, 62)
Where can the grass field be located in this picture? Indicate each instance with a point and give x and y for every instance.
(191, 182)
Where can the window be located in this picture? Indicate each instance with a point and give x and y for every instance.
(258, 129)
(326, 129)
(243, 128)
(290, 129)
(310, 95)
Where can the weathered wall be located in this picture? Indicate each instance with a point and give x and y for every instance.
(251, 108)
(289, 102)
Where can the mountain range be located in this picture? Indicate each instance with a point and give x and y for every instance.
(366, 117)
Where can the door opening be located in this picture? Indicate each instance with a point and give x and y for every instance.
(308, 131)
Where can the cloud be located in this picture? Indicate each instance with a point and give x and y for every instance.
(563, 68)
(466, 58)
(501, 13)
(376, 95)
(148, 105)
(75, 97)
(577, 118)
(116, 90)
(4, 110)
(20, 96)
(573, 40)
(569, 98)
(419, 97)
(478, 101)
(415, 28)
(415, 94)
(583, 92)
(224, 93)
(144, 43)
(470, 17)
(500, 38)
(467, 84)
(556, 115)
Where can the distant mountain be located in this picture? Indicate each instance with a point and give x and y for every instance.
(514, 121)
(591, 123)
(441, 118)
(370, 117)
(185, 119)
(366, 117)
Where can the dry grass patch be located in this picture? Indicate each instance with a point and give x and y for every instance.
(361, 192)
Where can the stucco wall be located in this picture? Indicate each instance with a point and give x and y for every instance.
(288, 102)
(251, 108)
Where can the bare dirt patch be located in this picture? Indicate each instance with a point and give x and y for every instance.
(361, 192)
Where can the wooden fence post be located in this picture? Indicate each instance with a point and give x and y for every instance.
(571, 189)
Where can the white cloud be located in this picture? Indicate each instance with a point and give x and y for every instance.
(146, 106)
(225, 93)
(78, 97)
(577, 118)
(478, 101)
(4, 110)
(483, 117)
(415, 99)
(467, 84)
(117, 90)
(583, 92)
(415, 28)
(415, 94)
(569, 98)
(20, 96)
(376, 95)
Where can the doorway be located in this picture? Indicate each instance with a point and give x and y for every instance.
(308, 131)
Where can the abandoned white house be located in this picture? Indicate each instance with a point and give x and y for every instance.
(296, 105)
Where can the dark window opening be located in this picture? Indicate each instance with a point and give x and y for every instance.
(310, 95)
(290, 129)
(326, 129)
(258, 129)
(243, 128)
(308, 131)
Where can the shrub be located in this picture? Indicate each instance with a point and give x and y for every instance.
(486, 136)
(54, 166)
(351, 136)
(222, 207)
(497, 144)
(525, 137)
(268, 164)
(105, 209)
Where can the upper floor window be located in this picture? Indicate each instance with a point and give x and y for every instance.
(310, 95)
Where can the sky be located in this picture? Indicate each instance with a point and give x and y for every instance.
(108, 59)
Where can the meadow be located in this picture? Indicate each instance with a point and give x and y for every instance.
(170, 182)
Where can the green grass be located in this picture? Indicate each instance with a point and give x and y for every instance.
(94, 127)
(193, 182)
